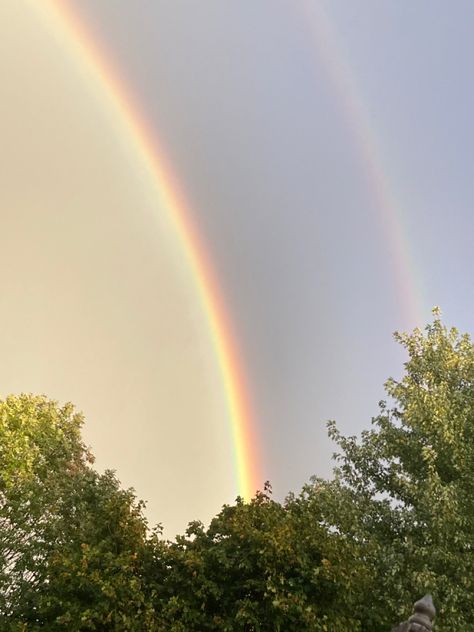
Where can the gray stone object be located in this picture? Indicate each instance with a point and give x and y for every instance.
(422, 618)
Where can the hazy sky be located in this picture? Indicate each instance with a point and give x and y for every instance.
(268, 112)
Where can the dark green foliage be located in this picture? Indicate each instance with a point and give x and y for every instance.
(259, 566)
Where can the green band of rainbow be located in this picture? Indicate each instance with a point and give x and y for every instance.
(96, 69)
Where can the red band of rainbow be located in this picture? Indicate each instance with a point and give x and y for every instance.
(72, 35)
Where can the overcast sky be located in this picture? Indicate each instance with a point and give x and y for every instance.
(270, 113)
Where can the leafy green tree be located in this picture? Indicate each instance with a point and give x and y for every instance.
(260, 566)
(73, 545)
(39, 442)
(404, 494)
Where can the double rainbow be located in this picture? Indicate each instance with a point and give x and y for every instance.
(97, 69)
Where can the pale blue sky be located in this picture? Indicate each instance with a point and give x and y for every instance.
(259, 139)
(264, 149)
(267, 156)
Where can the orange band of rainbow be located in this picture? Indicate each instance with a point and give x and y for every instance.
(72, 35)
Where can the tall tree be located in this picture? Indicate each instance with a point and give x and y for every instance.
(404, 494)
(72, 543)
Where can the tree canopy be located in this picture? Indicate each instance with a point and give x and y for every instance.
(71, 541)
(407, 484)
(349, 553)
(259, 566)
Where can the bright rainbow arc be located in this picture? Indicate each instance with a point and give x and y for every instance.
(72, 35)
(395, 233)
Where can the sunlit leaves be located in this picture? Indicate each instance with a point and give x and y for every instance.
(72, 543)
(410, 483)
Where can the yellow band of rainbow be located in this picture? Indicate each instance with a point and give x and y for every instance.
(72, 35)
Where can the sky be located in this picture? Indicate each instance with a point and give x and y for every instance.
(324, 150)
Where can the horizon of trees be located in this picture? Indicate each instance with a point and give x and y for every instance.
(351, 553)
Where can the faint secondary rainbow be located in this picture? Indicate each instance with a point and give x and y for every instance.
(395, 233)
(72, 35)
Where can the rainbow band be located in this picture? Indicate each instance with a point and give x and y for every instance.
(320, 28)
(72, 35)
